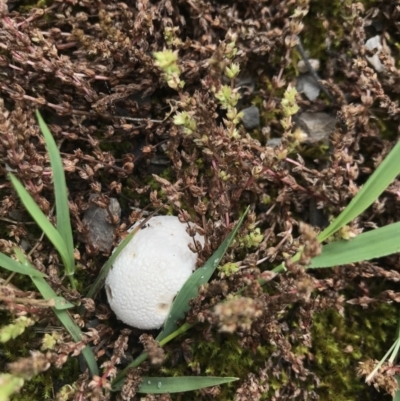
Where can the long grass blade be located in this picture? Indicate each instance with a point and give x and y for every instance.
(13, 266)
(52, 234)
(387, 171)
(162, 385)
(191, 288)
(366, 246)
(61, 195)
(63, 316)
(371, 190)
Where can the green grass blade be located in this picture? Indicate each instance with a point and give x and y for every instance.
(98, 283)
(63, 316)
(191, 288)
(162, 385)
(94, 289)
(372, 244)
(61, 195)
(12, 265)
(52, 234)
(371, 190)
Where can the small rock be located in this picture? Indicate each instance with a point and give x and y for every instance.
(274, 142)
(16, 215)
(158, 164)
(246, 85)
(101, 232)
(160, 160)
(317, 217)
(302, 67)
(25, 245)
(251, 117)
(307, 84)
(375, 44)
(317, 126)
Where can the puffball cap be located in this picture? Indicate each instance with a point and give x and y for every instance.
(150, 271)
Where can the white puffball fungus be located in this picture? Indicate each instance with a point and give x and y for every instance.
(150, 271)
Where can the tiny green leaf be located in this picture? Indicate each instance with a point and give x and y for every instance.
(166, 60)
(9, 385)
(16, 328)
(62, 304)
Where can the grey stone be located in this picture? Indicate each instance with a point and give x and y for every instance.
(307, 84)
(375, 45)
(302, 67)
(274, 142)
(317, 126)
(251, 117)
(101, 232)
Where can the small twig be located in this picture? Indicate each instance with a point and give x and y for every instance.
(15, 221)
(68, 111)
(303, 168)
(311, 70)
(42, 303)
(37, 243)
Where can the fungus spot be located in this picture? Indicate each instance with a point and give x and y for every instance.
(163, 307)
(108, 291)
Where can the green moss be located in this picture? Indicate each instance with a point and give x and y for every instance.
(45, 385)
(341, 342)
(38, 388)
(224, 356)
(318, 150)
(27, 5)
